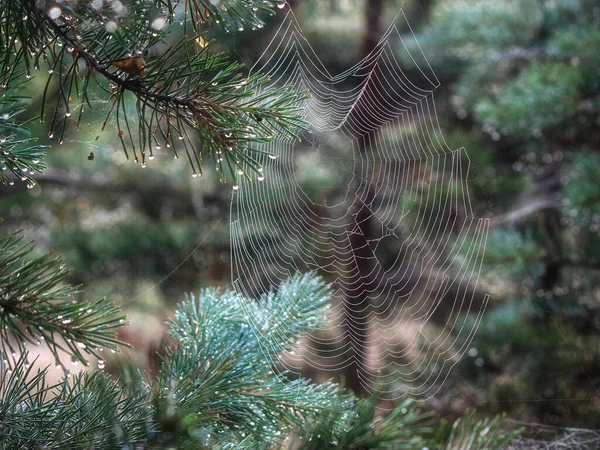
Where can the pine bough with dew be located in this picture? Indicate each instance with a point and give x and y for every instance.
(214, 385)
(154, 76)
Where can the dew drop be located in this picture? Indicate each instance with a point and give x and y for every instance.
(158, 23)
(54, 13)
(111, 26)
(118, 7)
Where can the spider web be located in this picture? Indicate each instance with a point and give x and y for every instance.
(373, 160)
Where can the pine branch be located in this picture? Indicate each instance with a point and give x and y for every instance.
(233, 14)
(403, 428)
(18, 153)
(214, 388)
(91, 411)
(36, 306)
(227, 368)
(185, 97)
(468, 433)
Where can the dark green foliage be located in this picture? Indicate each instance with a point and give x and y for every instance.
(582, 192)
(553, 90)
(467, 433)
(527, 65)
(522, 79)
(405, 427)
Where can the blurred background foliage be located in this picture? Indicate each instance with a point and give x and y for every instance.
(520, 90)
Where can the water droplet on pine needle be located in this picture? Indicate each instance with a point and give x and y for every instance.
(54, 13)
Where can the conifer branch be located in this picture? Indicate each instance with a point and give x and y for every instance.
(89, 411)
(215, 387)
(186, 98)
(36, 306)
(19, 155)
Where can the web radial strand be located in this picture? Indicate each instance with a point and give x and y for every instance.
(374, 146)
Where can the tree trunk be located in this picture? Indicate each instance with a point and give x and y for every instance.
(357, 306)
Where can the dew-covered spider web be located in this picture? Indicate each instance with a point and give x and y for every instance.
(373, 199)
